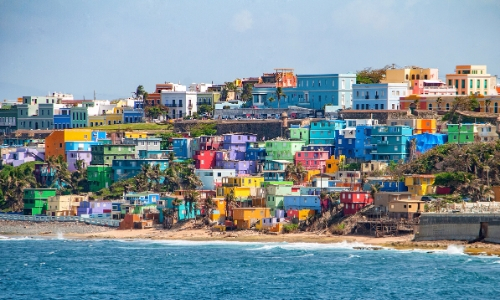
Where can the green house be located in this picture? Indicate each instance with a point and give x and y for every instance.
(276, 194)
(300, 133)
(99, 177)
(105, 154)
(283, 149)
(35, 200)
(461, 133)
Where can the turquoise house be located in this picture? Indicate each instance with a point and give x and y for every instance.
(323, 131)
(391, 142)
(181, 210)
(127, 168)
(274, 170)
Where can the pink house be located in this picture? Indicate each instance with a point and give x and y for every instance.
(312, 160)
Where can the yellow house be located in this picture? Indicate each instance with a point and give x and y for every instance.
(332, 164)
(136, 134)
(244, 181)
(419, 185)
(66, 205)
(405, 208)
(95, 121)
(55, 143)
(242, 187)
(246, 216)
(106, 119)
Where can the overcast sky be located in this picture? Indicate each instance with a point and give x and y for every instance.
(111, 47)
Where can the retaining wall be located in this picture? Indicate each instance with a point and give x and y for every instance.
(457, 227)
(91, 221)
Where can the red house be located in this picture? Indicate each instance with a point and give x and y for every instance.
(312, 160)
(354, 201)
(204, 159)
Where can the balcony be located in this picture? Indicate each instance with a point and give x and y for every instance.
(367, 97)
(173, 105)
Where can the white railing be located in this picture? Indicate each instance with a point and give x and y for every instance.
(91, 221)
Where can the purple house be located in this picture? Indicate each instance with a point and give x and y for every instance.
(94, 207)
(237, 142)
(22, 155)
(240, 167)
(73, 155)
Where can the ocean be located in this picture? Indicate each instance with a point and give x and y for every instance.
(143, 269)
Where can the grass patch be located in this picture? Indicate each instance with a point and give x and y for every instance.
(288, 228)
(135, 126)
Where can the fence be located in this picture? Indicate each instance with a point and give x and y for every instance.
(91, 221)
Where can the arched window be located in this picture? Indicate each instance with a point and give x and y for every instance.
(430, 106)
(413, 77)
(418, 76)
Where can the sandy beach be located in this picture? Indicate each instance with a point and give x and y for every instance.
(194, 232)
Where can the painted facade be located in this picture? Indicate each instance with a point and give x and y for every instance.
(391, 142)
(283, 149)
(99, 177)
(322, 132)
(378, 96)
(472, 79)
(35, 200)
(105, 154)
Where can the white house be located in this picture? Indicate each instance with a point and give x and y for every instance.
(180, 102)
(380, 96)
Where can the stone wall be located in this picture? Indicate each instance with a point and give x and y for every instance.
(265, 129)
(383, 115)
(464, 227)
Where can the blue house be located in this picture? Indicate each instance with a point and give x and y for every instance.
(154, 154)
(323, 131)
(274, 170)
(143, 198)
(98, 135)
(385, 185)
(313, 91)
(302, 202)
(363, 146)
(391, 142)
(182, 147)
(181, 210)
(128, 168)
(255, 151)
(132, 115)
(63, 120)
(82, 146)
(345, 143)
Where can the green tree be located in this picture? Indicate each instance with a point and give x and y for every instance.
(370, 75)
(140, 91)
(279, 95)
(295, 173)
(247, 92)
(229, 198)
(79, 181)
(205, 109)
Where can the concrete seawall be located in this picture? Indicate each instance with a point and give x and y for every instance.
(466, 227)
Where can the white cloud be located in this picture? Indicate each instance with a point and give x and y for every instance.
(242, 21)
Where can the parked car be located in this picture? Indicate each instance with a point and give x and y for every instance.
(428, 198)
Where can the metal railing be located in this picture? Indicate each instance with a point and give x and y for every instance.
(91, 221)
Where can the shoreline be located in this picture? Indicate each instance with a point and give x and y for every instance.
(404, 242)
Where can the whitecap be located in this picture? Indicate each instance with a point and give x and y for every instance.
(60, 236)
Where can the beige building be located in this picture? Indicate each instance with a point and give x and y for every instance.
(405, 208)
(472, 79)
(66, 205)
(382, 199)
(408, 74)
(373, 166)
(486, 132)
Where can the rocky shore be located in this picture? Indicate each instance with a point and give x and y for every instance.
(27, 228)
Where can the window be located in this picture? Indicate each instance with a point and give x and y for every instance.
(478, 83)
(485, 84)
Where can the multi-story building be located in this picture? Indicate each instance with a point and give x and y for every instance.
(391, 142)
(182, 147)
(378, 96)
(472, 79)
(299, 202)
(354, 201)
(311, 91)
(99, 177)
(419, 126)
(35, 200)
(237, 143)
(241, 167)
(78, 155)
(56, 142)
(243, 187)
(486, 132)
(275, 195)
(21, 155)
(364, 147)
(143, 198)
(283, 149)
(204, 159)
(64, 205)
(461, 133)
(212, 178)
(300, 133)
(127, 168)
(105, 154)
(323, 131)
(408, 74)
(180, 102)
(274, 170)
(62, 120)
(39, 116)
(147, 143)
(132, 115)
(420, 185)
(8, 119)
(256, 151)
(211, 142)
(312, 160)
(79, 117)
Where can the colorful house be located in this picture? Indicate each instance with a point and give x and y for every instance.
(74, 156)
(283, 149)
(242, 167)
(323, 131)
(419, 185)
(312, 160)
(472, 79)
(391, 142)
(211, 178)
(146, 143)
(354, 201)
(256, 151)
(237, 143)
(21, 155)
(275, 195)
(333, 164)
(64, 205)
(299, 133)
(127, 168)
(274, 170)
(245, 217)
(95, 208)
(36, 200)
(378, 96)
(182, 147)
(461, 133)
(99, 177)
(300, 202)
(243, 187)
(144, 198)
(105, 154)
(486, 132)
(55, 143)
(320, 147)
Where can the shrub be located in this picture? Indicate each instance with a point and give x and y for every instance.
(288, 228)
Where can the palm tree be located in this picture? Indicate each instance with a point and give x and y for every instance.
(209, 208)
(487, 104)
(295, 173)
(190, 199)
(79, 178)
(374, 189)
(439, 101)
(229, 198)
(279, 94)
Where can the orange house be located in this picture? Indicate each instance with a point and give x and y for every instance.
(55, 143)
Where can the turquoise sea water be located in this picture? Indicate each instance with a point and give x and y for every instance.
(104, 269)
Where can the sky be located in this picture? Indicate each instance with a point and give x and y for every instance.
(111, 47)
